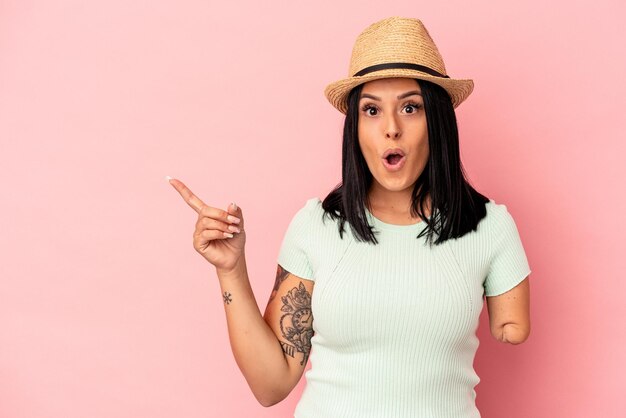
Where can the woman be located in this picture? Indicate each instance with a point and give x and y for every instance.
(388, 307)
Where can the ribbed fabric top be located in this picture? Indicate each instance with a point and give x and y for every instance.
(395, 323)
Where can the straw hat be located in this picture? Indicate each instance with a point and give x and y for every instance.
(396, 47)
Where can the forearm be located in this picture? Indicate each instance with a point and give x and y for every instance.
(255, 347)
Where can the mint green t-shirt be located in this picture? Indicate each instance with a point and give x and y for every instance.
(395, 323)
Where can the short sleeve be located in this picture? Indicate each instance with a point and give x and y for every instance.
(293, 255)
(508, 262)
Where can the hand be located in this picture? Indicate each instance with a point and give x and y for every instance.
(208, 238)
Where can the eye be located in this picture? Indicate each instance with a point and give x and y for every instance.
(414, 106)
(367, 109)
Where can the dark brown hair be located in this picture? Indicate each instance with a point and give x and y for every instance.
(456, 206)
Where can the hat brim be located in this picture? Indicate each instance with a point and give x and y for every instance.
(336, 92)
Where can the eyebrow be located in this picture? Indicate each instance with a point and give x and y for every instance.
(402, 96)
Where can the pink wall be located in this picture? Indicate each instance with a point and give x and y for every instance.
(106, 310)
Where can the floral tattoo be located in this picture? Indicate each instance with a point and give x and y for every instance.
(296, 324)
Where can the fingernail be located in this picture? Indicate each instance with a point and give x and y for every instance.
(233, 228)
(168, 178)
(226, 234)
(234, 219)
(234, 205)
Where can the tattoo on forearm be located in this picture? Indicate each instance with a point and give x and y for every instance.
(281, 275)
(296, 324)
(227, 298)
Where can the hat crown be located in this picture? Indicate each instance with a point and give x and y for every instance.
(395, 39)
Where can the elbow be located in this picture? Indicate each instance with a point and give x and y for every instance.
(274, 388)
(269, 399)
(513, 334)
(267, 404)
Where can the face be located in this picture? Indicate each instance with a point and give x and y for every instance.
(392, 116)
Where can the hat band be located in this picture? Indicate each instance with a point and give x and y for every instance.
(406, 65)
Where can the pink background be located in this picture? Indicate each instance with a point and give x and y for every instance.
(106, 310)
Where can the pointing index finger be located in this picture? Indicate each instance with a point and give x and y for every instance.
(191, 199)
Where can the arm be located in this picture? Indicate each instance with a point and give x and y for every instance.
(254, 343)
(509, 314)
(289, 315)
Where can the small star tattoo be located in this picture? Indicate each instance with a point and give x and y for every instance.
(227, 298)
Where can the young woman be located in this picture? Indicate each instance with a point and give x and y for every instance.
(382, 283)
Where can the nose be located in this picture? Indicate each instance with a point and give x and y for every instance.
(392, 129)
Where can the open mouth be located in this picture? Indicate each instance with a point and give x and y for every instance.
(394, 162)
(394, 159)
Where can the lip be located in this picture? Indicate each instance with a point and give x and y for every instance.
(394, 151)
(395, 167)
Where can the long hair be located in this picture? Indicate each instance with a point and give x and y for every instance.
(456, 206)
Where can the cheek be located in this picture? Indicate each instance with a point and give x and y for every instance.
(422, 143)
(368, 152)
(367, 144)
(425, 148)
(423, 153)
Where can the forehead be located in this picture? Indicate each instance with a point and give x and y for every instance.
(391, 85)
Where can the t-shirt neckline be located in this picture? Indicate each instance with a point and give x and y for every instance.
(394, 227)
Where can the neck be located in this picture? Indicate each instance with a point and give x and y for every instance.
(393, 202)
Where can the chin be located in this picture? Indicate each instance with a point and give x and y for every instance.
(394, 185)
